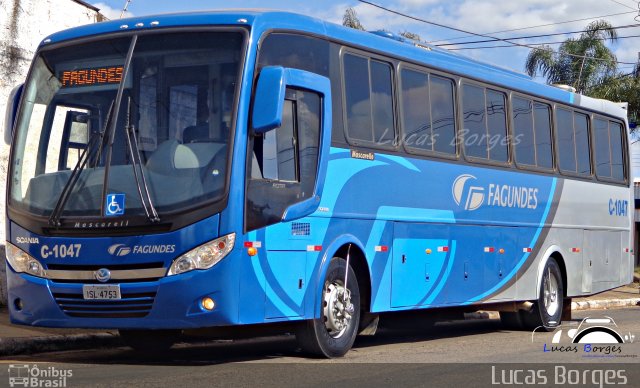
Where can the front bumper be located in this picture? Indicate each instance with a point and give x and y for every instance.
(169, 303)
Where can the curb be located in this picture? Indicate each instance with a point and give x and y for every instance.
(575, 306)
(28, 345)
(604, 304)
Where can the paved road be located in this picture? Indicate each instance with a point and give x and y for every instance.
(387, 357)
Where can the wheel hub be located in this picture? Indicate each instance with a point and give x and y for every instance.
(551, 303)
(337, 309)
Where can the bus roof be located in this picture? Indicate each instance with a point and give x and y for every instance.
(264, 20)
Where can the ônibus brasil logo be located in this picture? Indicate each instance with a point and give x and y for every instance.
(471, 196)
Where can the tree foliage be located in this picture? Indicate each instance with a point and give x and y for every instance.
(624, 88)
(350, 19)
(581, 62)
(410, 35)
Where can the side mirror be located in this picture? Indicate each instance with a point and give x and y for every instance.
(11, 112)
(267, 115)
(269, 99)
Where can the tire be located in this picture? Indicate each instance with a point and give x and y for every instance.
(333, 334)
(547, 311)
(150, 341)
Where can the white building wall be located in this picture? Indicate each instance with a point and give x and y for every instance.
(23, 25)
(634, 139)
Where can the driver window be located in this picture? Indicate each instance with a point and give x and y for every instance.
(279, 149)
(282, 163)
(67, 139)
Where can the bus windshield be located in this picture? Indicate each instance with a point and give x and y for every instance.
(163, 142)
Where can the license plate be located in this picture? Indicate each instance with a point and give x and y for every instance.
(101, 292)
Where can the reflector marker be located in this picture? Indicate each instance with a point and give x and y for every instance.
(501, 251)
(253, 244)
(489, 249)
(443, 249)
(382, 248)
(626, 250)
(428, 251)
(314, 248)
(575, 250)
(527, 250)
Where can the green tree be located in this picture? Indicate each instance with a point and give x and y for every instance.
(581, 62)
(350, 19)
(624, 88)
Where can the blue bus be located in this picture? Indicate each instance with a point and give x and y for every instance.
(264, 169)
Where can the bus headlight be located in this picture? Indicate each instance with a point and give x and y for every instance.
(203, 257)
(21, 261)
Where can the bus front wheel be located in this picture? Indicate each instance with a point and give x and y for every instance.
(547, 311)
(333, 334)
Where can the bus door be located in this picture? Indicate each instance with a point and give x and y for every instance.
(282, 169)
(62, 145)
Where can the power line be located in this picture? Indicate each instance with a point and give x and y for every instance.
(624, 5)
(544, 43)
(469, 32)
(540, 25)
(533, 36)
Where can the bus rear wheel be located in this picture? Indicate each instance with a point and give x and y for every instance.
(150, 341)
(333, 334)
(547, 311)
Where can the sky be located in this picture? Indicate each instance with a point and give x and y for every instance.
(478, 16)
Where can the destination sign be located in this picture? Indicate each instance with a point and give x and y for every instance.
(91, 77)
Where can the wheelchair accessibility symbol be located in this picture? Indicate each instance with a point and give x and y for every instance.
(114, 205)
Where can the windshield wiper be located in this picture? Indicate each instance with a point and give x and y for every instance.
(136, 163)
(88, 154)
(152, 215)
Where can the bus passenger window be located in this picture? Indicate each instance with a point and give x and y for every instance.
(427, 113)
(485, 123)
(443, 123)
(566, 141)
(523, 135)
(497, 126)
(610, 154)
(475, 123)
(416, 115)
(532, 135)
(573, 142)
(617, 155)
(602, 148)
(581, 123)
(369, 101)
(382, 102)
